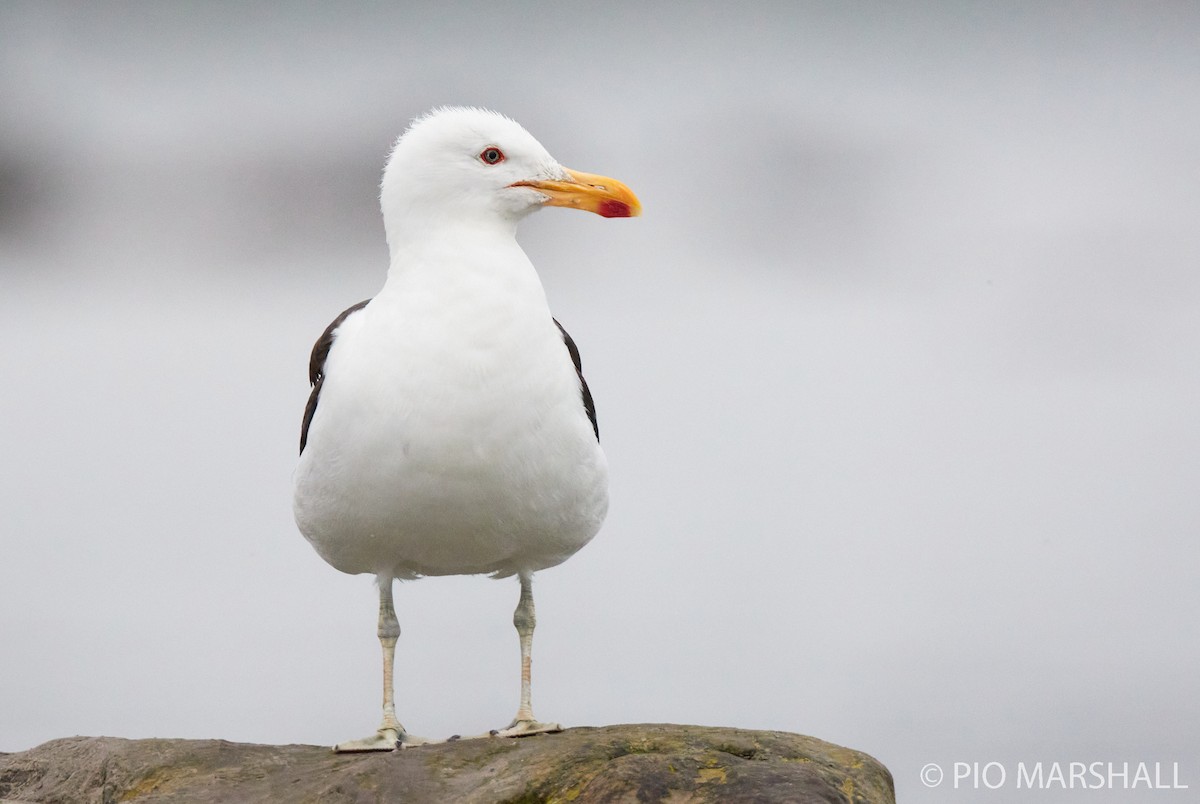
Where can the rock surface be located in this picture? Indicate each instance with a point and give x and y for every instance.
(635, 763)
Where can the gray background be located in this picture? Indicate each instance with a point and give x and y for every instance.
(897, 375)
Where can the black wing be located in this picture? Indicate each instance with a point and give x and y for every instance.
(316, 368)
(588, 404)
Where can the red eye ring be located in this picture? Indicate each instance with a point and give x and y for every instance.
(491, 155)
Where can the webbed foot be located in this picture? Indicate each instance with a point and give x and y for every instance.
(524, 728)
(383, 740)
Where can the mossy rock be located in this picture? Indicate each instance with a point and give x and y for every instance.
(631, 763)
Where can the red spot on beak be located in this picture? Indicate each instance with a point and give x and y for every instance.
(613, 209)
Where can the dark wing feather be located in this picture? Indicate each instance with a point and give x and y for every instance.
(588, 404)
(316, 367)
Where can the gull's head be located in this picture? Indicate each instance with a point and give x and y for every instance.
(476, 165)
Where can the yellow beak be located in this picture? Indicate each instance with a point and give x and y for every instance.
(606, 197)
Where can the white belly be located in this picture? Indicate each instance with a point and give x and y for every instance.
(450, 438)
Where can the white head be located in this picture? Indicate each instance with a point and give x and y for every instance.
(466, 164)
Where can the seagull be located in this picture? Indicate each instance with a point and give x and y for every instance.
(449, 430)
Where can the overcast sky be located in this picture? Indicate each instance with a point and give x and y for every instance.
(897, 375)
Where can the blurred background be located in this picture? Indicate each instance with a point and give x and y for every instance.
(897, 375)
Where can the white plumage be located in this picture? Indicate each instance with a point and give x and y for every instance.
(449, 431)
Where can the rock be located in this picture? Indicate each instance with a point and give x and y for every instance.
(634, 763)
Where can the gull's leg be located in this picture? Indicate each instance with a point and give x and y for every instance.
(525, 620)
(391, 734)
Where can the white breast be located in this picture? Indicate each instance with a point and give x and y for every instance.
(450, 435)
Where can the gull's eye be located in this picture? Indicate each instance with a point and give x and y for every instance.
(491, 155)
